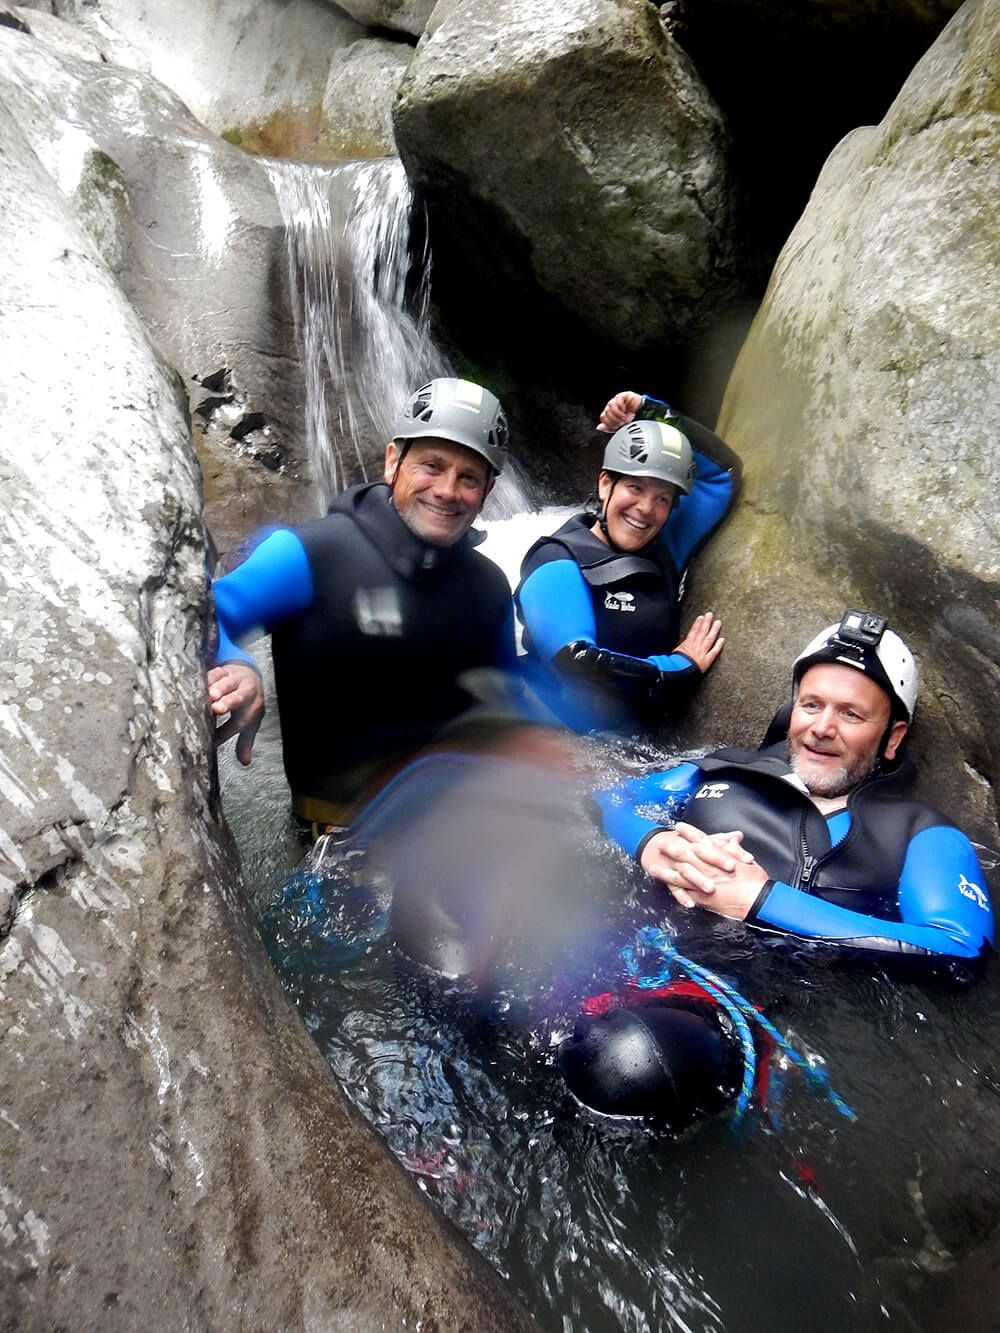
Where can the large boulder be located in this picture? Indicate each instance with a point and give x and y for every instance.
(361, 87)
(174, 1151)
(575, 171)
(866, 405)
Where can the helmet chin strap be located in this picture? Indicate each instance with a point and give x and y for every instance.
(399, 463)
(896, 714)
(602, 518)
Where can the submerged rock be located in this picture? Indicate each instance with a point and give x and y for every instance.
(866, 406)
(174, 1151)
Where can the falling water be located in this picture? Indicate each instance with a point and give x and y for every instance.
(360, 303)
(360, 299)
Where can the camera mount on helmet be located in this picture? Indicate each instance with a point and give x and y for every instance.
(864, 641)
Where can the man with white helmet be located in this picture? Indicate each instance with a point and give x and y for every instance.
(816, 835)
(375, 610)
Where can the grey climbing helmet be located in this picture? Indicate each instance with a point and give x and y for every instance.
(651, 449)
(459, 411)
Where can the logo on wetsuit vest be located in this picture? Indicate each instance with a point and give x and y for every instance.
(969, 890)
(619, 601)
(377, 611)
(710, 790)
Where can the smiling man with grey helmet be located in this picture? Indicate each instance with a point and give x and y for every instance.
(374, 610)
(816, 835)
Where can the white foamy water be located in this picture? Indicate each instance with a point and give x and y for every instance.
(507, 539)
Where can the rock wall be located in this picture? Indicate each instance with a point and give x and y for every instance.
(269, 75)
(866, 405)
(173, 1152)
(190, 228)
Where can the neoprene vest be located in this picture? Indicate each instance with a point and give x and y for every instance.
(747, 789)
(635, 597)
(367, 674)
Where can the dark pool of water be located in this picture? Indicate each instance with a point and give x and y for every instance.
(804, 1220)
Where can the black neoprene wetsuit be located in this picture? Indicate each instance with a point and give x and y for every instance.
(371, 628)
(885, 873)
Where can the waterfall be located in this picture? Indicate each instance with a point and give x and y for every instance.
(360, 305)
(360, 301)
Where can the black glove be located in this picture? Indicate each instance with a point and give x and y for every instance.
(584, 659)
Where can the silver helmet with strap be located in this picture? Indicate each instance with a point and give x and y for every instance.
(651, 449)
(459, 411)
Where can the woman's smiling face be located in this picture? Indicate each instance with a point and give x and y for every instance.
(634, 508)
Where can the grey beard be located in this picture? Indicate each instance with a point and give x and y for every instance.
(840, 781)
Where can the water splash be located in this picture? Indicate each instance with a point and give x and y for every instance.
(360, 301)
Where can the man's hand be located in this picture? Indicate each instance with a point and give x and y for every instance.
(715, 872)
(619, 411)
(238, 690)
(703, 642)
(733, 894)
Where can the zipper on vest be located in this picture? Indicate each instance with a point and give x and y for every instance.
(808, 862)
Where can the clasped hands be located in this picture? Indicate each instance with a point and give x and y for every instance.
(714, 871)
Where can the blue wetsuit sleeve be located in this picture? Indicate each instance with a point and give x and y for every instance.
(943, 905)
(639, 807)
(556, 608)
(274, 582)
(674, 662)
(716, 480)
(698, 515)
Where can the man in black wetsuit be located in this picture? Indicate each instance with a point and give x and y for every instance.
(817, 835)
(375, 610)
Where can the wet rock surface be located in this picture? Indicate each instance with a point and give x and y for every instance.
(257, 73)
(173, 1151)
(866, 408)
(191, 228)
(402, 15)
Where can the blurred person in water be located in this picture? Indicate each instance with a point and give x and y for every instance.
(816, 834)
(375, 610)
(600, 598)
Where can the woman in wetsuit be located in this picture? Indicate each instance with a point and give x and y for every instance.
(600, 598)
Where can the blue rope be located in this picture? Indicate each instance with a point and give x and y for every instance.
(739, 1009)
(650, 937)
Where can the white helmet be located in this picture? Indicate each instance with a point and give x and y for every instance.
(863, 641)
